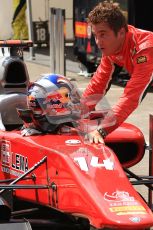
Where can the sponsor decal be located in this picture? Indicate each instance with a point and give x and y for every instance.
(121, 203)
(72, 142)
(131, 213)
(127, 208)
(135, 219)
(12, 163)
(141, 59)
(118, 196)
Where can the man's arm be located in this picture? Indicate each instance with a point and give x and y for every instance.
(134, 92)
(98, 87)
(136, 88)
(100, 80)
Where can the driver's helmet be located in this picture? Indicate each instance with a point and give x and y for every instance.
(54, 101)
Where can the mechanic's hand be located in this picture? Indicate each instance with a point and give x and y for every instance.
(94, 137)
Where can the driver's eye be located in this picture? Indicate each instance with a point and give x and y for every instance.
(67, 95)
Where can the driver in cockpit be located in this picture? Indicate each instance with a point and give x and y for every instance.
(54, 104)
(52, 101)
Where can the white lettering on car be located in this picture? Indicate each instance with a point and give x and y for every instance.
(83, 164)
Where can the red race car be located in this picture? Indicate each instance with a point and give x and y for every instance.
(61, 181)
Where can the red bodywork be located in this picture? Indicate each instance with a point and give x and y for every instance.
(83, 179)
(65, 172)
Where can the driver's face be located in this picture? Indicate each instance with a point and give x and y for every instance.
(107, 41)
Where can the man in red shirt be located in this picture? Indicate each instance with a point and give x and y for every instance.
(126, 46)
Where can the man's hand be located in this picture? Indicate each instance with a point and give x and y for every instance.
(94, 137)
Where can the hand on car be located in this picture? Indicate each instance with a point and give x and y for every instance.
(94, 137)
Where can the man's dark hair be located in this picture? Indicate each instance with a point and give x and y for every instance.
(110, 13)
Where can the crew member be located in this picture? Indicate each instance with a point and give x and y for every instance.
(126, 46)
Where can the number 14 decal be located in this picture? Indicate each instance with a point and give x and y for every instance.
(82, 162)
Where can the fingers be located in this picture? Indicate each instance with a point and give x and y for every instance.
(94, 137)
(98, 140)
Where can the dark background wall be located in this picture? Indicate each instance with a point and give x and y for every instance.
(140, 14)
